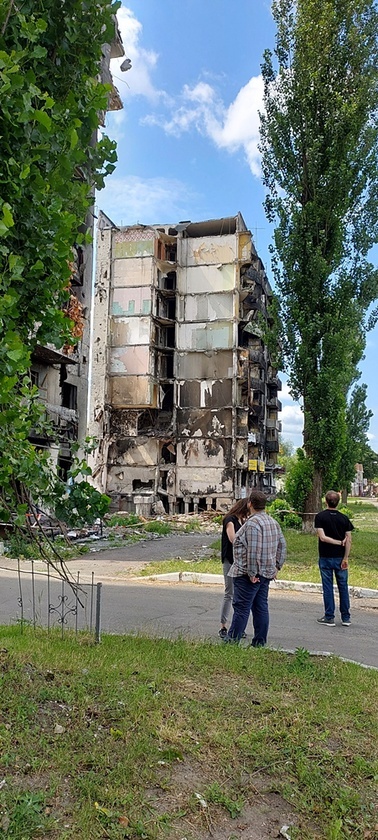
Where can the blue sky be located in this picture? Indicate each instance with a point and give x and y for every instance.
(188, 133)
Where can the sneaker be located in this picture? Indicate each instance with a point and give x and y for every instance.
(328, 621)
(346, 623)
(222, 633)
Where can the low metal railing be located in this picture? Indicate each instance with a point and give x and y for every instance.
(46, 599)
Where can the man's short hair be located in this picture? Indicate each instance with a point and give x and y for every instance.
(332, 498)
(257, 499)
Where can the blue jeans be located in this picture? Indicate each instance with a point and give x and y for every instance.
(330, 566)
(250, 597)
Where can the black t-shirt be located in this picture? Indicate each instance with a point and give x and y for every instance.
(226, 544)
(335, 525)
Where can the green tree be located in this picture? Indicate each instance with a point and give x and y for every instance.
(299, 481)
(369, 459)
(356, 443)
(51, 162)
(319, 159)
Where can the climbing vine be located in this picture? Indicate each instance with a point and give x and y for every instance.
(51, 162)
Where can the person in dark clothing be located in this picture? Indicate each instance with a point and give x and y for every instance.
(259, 553)
(231, 524)
(335, 539)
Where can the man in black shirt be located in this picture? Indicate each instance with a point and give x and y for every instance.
(335, 539)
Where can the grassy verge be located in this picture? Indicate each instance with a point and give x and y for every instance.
(302, 560)
(159, 739)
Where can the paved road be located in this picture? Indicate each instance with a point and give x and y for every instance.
(192, 610)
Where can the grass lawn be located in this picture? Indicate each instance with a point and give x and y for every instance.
(302, 560)
(138, 738)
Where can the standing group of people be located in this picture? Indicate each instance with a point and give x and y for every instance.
(253, 550)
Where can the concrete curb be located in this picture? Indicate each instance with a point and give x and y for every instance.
(294, 585)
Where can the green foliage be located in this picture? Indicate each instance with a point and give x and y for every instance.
(292, 520)
(29, 817)
(320, 167)
(76, 502)
(50, 54)
(215, 793)
(81, 505)
(299, 481)
(279, 509)
(193, 525)
(124, 519)
(356, 441)
(156, 527)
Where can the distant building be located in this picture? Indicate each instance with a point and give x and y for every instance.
(184, 397)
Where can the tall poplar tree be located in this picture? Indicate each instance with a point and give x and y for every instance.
(320, 166)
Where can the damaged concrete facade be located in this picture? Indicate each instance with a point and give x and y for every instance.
(183, 395)
(62, 376)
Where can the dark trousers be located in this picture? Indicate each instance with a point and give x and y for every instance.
(250, 597)
(329, 567)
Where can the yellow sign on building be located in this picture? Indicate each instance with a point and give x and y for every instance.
(261, 466)
(252, 465)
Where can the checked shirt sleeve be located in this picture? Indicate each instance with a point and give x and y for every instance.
(247, 548)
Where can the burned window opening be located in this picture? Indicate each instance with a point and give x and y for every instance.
(138, 484)
(168, 453)
(165, 337)
(166, 397)
(164, 502)
(202, 505)
(34, 377)
(146, 420)
(166, 308)
(164, 366)
(167, 282)
(78, 266)
(166, 251)
(64, 465)
(69, 396)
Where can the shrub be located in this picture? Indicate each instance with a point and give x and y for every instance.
(81, 505)
(299, 481)
(292, 520)
(124, 519)
(155, 527)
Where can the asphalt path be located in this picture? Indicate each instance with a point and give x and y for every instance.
(191, 611)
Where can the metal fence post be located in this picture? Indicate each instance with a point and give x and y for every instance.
(98, 612)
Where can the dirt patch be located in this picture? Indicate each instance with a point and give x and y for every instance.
(197, 811)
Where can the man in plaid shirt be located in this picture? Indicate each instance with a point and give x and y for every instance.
(259, 552)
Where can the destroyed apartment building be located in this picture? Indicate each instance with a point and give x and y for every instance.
(61, 375)
(183, 393)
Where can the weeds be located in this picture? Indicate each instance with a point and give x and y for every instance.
(116, 740)
(123, 519)
(156, 527)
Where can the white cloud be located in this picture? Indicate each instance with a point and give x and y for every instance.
(285, 395)
(241, 123)
(138, 80)
(233, 128)
(292, 423)
(131, 199)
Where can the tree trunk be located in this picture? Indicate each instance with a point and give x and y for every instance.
(313, 503)
(344, 496)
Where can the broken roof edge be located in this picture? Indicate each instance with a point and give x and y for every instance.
(223, 226)
(217, 227)
(105, 223)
